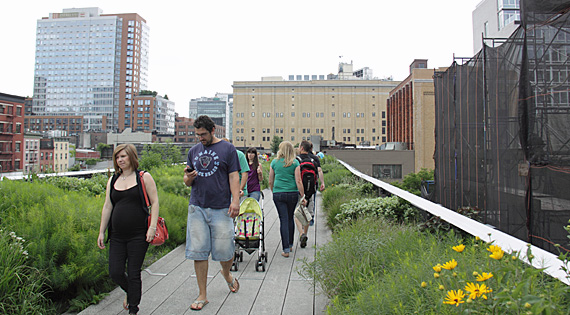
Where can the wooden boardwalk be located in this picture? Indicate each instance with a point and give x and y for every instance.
(278, 290)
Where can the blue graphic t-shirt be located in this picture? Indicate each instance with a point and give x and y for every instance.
(211, 188)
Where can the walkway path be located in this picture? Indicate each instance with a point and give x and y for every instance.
(278, 290)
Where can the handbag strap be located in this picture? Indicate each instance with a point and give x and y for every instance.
(144, 189)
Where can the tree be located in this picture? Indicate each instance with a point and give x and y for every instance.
(165, 96)
(413, 181)
(157, 154)
(275, 142)
(101, 147)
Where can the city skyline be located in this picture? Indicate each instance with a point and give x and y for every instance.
(226, 42)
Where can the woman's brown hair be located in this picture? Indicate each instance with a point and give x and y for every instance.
(131, 152)
(255, 162)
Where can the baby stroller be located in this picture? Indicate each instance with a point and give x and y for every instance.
(249, 233)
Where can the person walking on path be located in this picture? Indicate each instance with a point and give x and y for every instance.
(125, 217)
(255, 174)
(212, 172)
(310, 168)
(285, 183)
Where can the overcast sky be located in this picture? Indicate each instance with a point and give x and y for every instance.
(198, 48)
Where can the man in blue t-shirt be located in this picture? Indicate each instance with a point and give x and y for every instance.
(212, 172)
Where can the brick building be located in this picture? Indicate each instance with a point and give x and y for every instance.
(11, 132)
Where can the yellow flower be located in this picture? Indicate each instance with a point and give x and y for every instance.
(494, 248)
(527, 305)
(454, 297)
(436, 275)
(459, 248)
(441, 287)
(475, 273)
(498, 254)
(450, 265)
(484, 276)
(477, 290)
(424, 284)
(437, 268)
(454, 274)
(514, 257)
(477, 238)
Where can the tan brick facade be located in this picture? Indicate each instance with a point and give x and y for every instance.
(349, 111)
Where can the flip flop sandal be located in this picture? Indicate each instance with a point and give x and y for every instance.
(199, 305)
(233, 285)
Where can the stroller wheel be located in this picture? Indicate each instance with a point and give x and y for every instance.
(257, 267)
(265, 256)
(263, 266)
(240, 256)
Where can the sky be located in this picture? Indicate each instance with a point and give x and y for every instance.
(199, 48)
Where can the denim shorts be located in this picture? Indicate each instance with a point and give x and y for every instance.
(209, 231)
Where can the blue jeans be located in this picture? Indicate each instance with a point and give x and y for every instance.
(255, 195)
(285, 203)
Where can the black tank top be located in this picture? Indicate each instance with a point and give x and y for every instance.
(128, 219)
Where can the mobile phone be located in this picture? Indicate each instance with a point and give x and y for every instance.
(189, 169)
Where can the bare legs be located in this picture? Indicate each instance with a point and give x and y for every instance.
(201, 267)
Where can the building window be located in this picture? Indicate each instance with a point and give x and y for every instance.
(392, 171)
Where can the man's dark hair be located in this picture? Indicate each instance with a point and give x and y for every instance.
(306, 145)
(205, 122)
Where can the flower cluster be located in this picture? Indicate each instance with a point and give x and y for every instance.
(472, 290)
(18, 242)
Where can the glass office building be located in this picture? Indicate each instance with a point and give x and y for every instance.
(90, 64)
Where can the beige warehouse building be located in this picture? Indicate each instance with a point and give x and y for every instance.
(347, 108)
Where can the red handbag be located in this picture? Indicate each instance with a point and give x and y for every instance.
(161, 233)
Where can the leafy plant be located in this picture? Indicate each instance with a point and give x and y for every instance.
(392, 208)
(22, 288)
(275, 142)
(158, 154)
(412, 182)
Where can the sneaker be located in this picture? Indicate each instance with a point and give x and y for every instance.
(312, 222)
(303, 240)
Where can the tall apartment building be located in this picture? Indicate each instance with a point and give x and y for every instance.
(411, 114)
(11, 132)
(352, 110)
(90, 64)
(494, 19)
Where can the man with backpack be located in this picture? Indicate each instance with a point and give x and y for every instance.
(310, 167)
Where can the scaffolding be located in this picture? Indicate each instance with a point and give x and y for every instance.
(503, 129)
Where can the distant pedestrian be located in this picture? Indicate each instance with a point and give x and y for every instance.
(310, 171)
(212, 171)
(255, 174)
(285, 182)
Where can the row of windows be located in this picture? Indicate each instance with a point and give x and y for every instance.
(346, 139)
(308, 115)
(307, 130)
(8, 109)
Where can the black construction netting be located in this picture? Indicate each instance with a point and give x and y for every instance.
(503, 129)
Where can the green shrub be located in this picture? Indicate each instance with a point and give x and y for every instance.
(62, 225)
(373, 266)
(412, 182)
(392, 208)
(22, 287)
